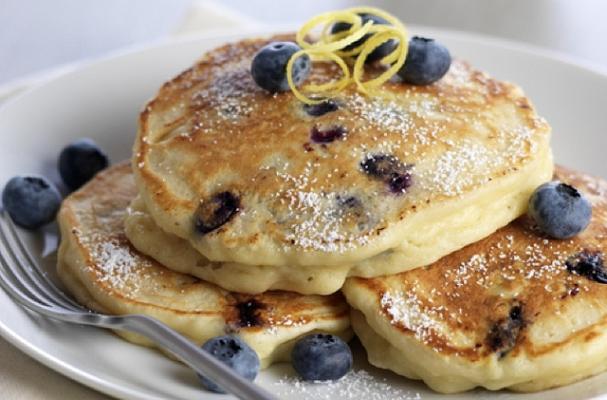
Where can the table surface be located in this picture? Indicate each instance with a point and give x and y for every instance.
(40, 34)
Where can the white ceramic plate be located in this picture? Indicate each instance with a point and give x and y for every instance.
(102, 100)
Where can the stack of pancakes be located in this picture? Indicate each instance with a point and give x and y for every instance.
(251, 213)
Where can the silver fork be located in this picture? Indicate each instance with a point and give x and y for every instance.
(25, 282)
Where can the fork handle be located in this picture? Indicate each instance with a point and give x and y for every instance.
(192, 355)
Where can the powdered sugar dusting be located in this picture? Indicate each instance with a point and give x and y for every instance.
(230, 95)
(355, 385)
(468, 163)
(284, 321)
(111, 256)
(388, 115)
(315, 217)
(117, 261)
(407, 310)
(507, 260)
(318, 225)
(455, 170)
(116, 264)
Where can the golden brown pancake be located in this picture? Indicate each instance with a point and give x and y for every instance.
(363, 187)
(178, 255)
(104, 272)
(516, 310)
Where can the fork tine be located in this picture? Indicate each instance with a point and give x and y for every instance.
(11, 285)
(19, 295)
(11, 274)
(23, 273)
(41, 278)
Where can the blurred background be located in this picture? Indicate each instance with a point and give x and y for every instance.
(36, 35)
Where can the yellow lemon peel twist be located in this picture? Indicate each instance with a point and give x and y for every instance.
(330, 47)
(327, 89)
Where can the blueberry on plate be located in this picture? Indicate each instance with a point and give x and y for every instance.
(80, 161)
(269, 66)
(321, 357)
(234, 353)
(381, 51)
(31, 201)
(559, 210)
(427, 61)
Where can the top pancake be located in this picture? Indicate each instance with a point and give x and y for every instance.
(516, 309)
(212, 130)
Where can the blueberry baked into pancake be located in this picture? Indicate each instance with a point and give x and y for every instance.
(103, 271)
(301, 193)
(519, 309)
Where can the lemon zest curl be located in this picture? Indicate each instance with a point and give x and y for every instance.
(332, 47)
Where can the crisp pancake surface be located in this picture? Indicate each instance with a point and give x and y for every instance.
(104, 272)
(505, 312)
(450, 151)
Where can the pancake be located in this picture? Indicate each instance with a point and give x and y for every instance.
(251, 178)
(516, 310)
(105, 273)
(178, 255)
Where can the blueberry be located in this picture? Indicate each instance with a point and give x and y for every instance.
(427, 61)
(321, 357)
(349, 202)
(80, 161)
(352, 209)
(249, 313)
(213, 213)
(380, 52)
(317, 110)
(269, 66)
(588, 264)
(504, 333)
(236, 354)
(389, 169)
(559, 210)
(327, 134)
(32, 201)
(400, 183)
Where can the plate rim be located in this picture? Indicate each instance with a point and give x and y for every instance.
(67, 370)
